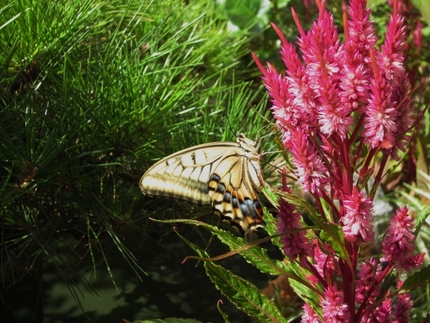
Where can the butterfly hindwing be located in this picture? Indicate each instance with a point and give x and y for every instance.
(234, 195)
(224, 174)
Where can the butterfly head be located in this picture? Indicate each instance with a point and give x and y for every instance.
(246, 143)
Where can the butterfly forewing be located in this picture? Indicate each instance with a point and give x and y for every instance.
(224, 174)
(184, 175)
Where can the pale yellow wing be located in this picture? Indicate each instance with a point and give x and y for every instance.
(184, 175)
(224, 174)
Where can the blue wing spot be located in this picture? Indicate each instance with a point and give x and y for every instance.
(235, 202)
(227, 197)
(220, 188)
(215, 177)
(243, 207)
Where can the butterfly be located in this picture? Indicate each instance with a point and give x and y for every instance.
(225, 174)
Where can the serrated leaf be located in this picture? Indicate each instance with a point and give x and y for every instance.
(239, 291)
(300, 285)
(169, 320)
(418, 279)
(270, 227)
(420, 219)
(243, 294)
(305, 294)
(332, 234)
(253, 254)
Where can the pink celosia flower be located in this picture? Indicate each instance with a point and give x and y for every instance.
(357, 221)
(403, 306)
(334, 117)
(294, 241)
(381, 115)
(310, 170)
(366, 282)
(324, 55)
(324, 262)
(360, 34)
(309, 315)
(389, 113)
(359, 39)
(381, 314)
(418, 35)
(354, 87)
(338, 106)
(333, 307)
(398, 244)
(390, 60)
(319, 95)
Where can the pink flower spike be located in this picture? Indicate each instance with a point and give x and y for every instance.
(333, 307)
(380, 124)
(361, 34)
(360, 38)
(309, 315)
(297, 22)
(381, 314)
(311, 172)
(293, 239)
(402, 308)
(294, 66)
(334, 118)
(367, 281)
(398, 245)
(391, 58)
(357, 221)
(325, 262)
(279, 33)
(277, 87)
(417, 36)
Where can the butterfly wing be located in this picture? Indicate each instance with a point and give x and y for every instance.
(233, 188)
(224, 174)
(184, 175)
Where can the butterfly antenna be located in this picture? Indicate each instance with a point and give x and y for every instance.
(227, 121)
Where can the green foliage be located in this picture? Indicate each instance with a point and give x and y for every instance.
(94, 92)
(239, 291)
(168, 320)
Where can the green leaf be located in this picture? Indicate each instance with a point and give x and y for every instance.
(242, 13)
(424, 8)
(239, 291)
(420, 219)
(252, 253)
(418, 279)
(271, 227)
(333, 236)
(300, 284)
(243, 294)
(168, 320)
